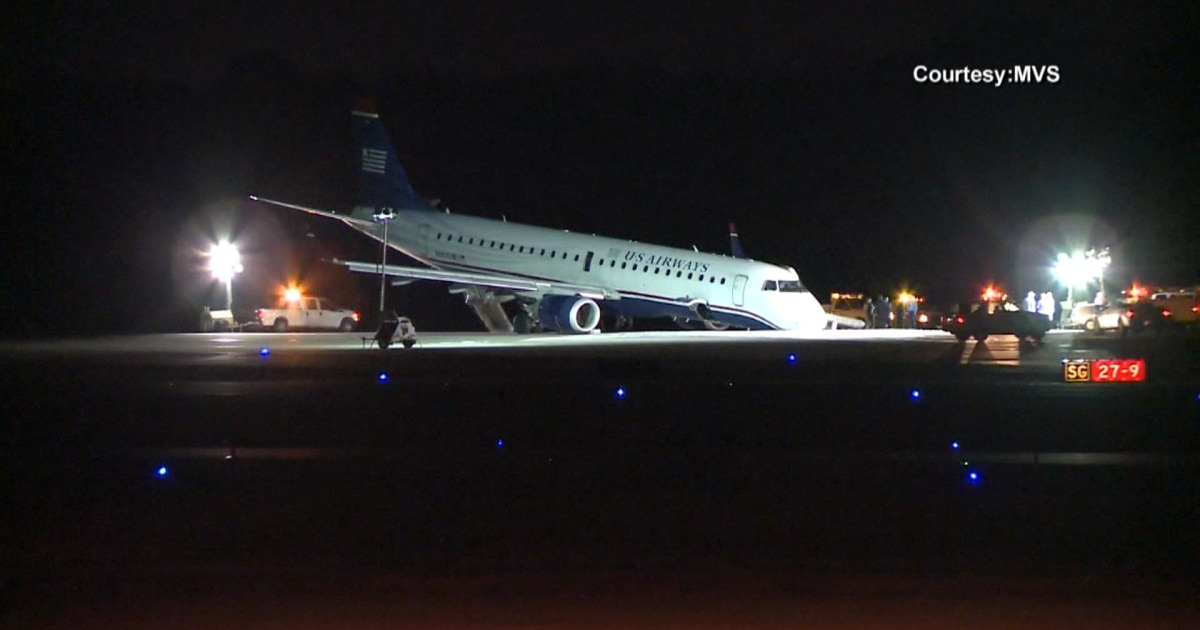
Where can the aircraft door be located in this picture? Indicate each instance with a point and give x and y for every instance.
(739, 290)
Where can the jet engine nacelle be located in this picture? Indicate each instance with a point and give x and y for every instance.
(569, 314)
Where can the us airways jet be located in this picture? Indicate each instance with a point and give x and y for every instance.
(559, 280)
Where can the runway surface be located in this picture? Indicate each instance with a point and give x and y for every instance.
(841, 346)
(708, 342)
(847, 478)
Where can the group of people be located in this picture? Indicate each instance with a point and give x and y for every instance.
(882, 313)
(1042, 304)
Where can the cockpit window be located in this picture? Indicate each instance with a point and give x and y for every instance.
(791, 286)
(769, 285)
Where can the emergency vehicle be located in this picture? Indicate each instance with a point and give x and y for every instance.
(1179, 305)
(307, 312)
(851, 305)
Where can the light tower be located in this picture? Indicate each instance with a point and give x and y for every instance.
(224, 261)
(1101, 261)
(1071, 270)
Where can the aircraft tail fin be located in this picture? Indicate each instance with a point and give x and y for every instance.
(735, 243)
(382, 183)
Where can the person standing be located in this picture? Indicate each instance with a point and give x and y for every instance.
(1045, 305)
(1031, 302)
(882, 309)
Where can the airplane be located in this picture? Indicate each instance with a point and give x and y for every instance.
(561, 281)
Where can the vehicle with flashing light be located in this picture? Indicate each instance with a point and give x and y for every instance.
(307, 313)
(1180, 306)
(997, 317)
(1144, 315)
(848, 306)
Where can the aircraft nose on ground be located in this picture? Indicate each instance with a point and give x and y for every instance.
(807, 314)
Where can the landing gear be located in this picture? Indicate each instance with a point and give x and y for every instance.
(522, 323)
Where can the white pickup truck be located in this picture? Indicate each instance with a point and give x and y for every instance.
(309, 313)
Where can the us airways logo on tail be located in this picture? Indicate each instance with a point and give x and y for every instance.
(374, 161)
(681, 264)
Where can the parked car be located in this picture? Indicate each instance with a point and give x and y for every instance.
(1004, 318)
(1146, 315)
(310, 313)
(930, 317)
(1096, 318)
(1181, 306)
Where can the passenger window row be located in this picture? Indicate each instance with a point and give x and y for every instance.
(520, 249)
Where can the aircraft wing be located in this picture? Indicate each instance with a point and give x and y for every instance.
(345, 218)
(488, 280)
(839, 321)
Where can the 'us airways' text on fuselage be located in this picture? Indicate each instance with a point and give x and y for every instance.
(681, 264)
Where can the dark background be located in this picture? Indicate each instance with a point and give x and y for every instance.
(134, 131)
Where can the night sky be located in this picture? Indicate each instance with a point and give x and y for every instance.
(134, 131)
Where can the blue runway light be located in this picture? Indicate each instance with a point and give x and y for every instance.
(954, 445)
(915, 394)
(161, 472)
(974, 477)
(620, 392)
(264, 352)
(499, 443)
(792, 358)
(383, 377)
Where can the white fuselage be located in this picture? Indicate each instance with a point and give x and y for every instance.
(651, 280)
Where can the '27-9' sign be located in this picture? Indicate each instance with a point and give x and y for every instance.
(1104, 370)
